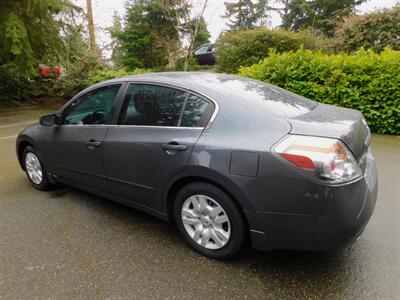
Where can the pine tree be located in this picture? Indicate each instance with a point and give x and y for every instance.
(261, 12)
(321, 15)
(240, 15)
(114, 30)
(150, 34)
(35, 31)
(203, 35)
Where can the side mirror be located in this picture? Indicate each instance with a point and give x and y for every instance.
(49, 120)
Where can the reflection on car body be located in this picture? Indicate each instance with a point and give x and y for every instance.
(222, 156)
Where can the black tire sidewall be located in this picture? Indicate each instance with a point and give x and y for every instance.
(45, 184)
(237, 237)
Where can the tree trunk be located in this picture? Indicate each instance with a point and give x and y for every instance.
(92, 36)
(192, 37)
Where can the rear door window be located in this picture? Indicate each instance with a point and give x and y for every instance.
(152, 105)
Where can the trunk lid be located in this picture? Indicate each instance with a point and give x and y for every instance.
(345, 124)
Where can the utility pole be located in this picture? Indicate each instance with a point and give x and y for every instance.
(92, 36)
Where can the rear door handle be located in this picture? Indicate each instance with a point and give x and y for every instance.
(91, 144)
(174, 147)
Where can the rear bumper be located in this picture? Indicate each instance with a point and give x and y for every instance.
(350, 208)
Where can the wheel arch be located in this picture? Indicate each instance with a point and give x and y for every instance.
(21, 145)
(227, 187)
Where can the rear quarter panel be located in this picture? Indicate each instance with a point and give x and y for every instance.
(238, 131)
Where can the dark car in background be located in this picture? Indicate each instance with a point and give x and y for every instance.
(228, 159)
(205, 54)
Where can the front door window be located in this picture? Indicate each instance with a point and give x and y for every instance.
(95, 107)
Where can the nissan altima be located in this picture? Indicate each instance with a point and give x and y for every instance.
(230, 160)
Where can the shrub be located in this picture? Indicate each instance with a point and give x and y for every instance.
(67, 86)
(375, 31)
(247, 47)
(16, 88)
(180, 63)
(365, 81)
(15, 85)
(75, 77)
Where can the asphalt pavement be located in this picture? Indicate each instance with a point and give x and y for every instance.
(69, 244)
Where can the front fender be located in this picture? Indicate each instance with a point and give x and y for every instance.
(23, 139)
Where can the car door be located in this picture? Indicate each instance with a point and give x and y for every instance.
(154, 139)
(76, 150)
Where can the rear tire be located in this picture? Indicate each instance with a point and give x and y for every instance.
(209, 220)
(35, 169)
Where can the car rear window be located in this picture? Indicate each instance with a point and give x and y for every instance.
(276, 101)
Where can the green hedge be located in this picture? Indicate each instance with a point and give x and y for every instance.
(365, 81)
(247, 47)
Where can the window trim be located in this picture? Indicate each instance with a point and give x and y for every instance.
(216, 108)
(187, 95)
(125, 88)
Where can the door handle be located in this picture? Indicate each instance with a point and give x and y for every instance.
(91, 144)
(174, 147)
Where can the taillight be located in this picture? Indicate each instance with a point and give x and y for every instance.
(324, 158)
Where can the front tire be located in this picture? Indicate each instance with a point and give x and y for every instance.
(209, 220)
(35, 169)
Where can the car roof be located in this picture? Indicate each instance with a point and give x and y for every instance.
(205, 83)
(189, 80)
(233, 92)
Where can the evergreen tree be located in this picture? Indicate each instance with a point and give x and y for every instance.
(115, 29)
(240, 15)
(150, 33)
(203, 35)
(33, 32)
(261, 10)
(321, 15)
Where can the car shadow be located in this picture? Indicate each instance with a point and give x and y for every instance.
(277, 269)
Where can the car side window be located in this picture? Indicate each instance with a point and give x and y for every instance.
(95, 107)
(197, 112)
(211, 48)
(201, 50)
(152, 105)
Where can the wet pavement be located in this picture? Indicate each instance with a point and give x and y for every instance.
(69, 244)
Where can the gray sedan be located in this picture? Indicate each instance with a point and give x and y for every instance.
(228, 159)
